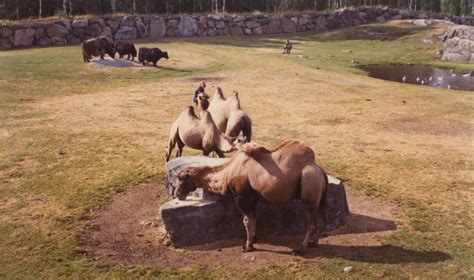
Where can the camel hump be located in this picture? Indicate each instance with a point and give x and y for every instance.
(190, 111)
(234, 101)
(206, 116)
(219, 93)
(236, 95)
(253, 150)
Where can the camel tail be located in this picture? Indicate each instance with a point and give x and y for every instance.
(171, 142)
(323, 204)
(247, 129)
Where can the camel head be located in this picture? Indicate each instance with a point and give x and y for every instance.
(186, 183)
(203, 101)
(236, 143)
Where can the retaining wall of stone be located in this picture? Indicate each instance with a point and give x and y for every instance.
(74, 31)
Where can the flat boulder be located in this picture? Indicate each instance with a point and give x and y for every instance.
(214, 217)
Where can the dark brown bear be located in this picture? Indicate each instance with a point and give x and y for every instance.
(125, 48)
(97, 47)
(151, 55)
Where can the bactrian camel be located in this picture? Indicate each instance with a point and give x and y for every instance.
(229, 116)
(200, 134)
(256, 174)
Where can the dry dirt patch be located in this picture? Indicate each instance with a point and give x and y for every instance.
(129, 231)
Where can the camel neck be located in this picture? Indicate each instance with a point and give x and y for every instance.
(211, 180)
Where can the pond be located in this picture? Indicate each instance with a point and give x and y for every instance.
(423, 76)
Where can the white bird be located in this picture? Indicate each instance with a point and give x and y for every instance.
(467, 75)
(449, 87)
(431, 78)
(417, 79)
(451, 70)
(453, 75)
(422, 82)
(440, 79)
(404, 79)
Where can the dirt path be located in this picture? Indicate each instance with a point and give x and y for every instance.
(129, 231)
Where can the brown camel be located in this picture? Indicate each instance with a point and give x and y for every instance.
(229, 116)
(200, 134)
(257, 174)
(203, 103)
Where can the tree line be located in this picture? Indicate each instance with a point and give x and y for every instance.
(18, 9)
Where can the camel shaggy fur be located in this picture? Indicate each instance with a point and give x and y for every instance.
(229, 116)
(198, 133)
(257, 174)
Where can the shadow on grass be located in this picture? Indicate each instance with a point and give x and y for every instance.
(355, 224)
(384, 254)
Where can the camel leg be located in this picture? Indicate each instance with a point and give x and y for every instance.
(247, 203)
(180, 148)
(312, 190)
(220, 154)
(310, 230)
(171, 143)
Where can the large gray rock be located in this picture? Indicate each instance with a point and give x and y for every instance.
(5, 43)
(43, 42)
(214, 217)
(107, 32)
(24, 37)
(422, 22)
(157, 28)
(114, 24)
(57, 30)
(126, 33)
(187, 27)
(58, 41)
(459, 44)
(127, 21)
(405, 14)
(67, 23)
(321, 23)
(5, 32)
(288, 25)
(80, 23)
(93, 29)
(236, 30)
(141, 28)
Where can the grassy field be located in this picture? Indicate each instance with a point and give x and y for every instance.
(72, 137)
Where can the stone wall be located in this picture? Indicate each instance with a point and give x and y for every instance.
(70, 31)
(459, 44)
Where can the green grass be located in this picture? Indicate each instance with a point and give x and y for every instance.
(73, 137)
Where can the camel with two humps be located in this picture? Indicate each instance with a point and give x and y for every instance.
(256, 174)
(229, 116)
(200, 134)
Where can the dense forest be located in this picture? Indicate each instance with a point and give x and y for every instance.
(18, 9)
